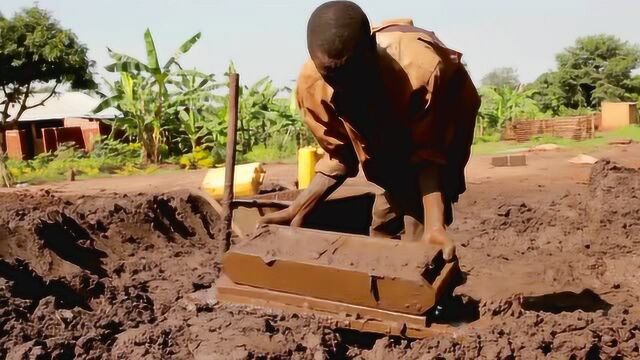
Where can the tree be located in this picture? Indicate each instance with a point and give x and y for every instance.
(501, 77)
(35, 51)
(595, 69)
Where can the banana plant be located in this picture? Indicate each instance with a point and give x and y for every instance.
(290, 121)
(503, 104)
(151, 114)
(195, 102)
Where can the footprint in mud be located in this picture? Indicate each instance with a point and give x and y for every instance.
(66, 238)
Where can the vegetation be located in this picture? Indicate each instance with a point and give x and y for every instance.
(36, 53)
(176, 112)
(597, 68)
(501, 77)
(108, 157)
(486, 146)
(502, 104)
(153, 99)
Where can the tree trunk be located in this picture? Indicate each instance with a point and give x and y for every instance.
(6, 178)
(5, 174)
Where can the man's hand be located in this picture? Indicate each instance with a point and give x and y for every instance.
(440, 238)
(433, 201)
(286, 216)
(320, 188)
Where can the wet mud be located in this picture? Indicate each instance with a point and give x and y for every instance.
(127, 276)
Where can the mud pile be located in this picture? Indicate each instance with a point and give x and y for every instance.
(78, 273)
(126, 276)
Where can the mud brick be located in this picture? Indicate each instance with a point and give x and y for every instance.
(517, 160)
(509, 160)
(500, 161)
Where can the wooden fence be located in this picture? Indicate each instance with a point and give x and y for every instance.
(576, 128)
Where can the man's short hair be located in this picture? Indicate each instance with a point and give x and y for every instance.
(337, 29)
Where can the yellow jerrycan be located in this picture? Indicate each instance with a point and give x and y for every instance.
(247, 180)
(308, 157)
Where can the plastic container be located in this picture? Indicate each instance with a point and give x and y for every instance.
(247, 181)
(308, 157)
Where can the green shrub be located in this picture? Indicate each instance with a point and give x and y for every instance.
(198, 159)
(106, 148)
(266, 154)
(109, 158)
(575, 112)
(495, 137)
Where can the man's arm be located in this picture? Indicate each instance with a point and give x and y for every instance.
(339, 161)
(319, 189)
(434, 219)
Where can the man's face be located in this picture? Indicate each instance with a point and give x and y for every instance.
(355, 75)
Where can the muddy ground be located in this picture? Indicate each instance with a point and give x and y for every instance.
(552, 273)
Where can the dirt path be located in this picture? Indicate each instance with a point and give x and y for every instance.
(543, 167)
(550, 252)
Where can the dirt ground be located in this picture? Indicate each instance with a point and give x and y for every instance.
(121, 268)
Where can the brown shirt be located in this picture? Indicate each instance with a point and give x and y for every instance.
(425, 112)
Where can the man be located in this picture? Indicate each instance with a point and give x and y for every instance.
(396, 101)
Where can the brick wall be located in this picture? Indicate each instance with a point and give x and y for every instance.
(91, 129)
(53, 137)
(16, 144)
(576, 127)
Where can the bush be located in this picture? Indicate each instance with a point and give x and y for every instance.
(575, 112)
(272, 153)
(105, 148)
(495, 137)
(109, 158)
(198, 159)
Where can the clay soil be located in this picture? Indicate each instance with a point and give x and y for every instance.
(550, 255)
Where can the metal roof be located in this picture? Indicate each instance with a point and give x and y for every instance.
(63, 105)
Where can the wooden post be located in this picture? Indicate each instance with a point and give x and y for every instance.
(229, 172)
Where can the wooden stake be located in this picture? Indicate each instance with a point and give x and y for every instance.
(232, 127)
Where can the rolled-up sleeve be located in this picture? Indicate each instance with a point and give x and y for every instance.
(340, 158)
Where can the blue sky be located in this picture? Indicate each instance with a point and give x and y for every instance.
(268, 37)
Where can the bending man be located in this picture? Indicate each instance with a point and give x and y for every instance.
(395, 101)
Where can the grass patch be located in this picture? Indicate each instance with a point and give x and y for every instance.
(602, 138)
(270, 154)
(108, 158)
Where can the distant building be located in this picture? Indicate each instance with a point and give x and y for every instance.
(65, 117)
(618, 114)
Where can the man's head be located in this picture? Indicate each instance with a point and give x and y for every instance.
(341, 45)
